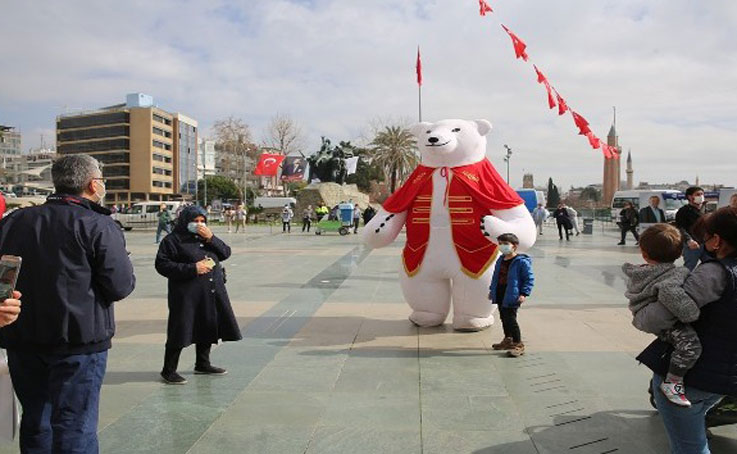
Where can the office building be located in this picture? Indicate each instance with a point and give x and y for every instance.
(139, 145)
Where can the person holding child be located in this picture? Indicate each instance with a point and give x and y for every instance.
(511, 284)
(661, 306)
(713, 286)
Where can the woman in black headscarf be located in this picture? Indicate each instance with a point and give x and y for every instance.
(199, 307)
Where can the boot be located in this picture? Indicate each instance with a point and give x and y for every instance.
(517, 350)
(505, 344)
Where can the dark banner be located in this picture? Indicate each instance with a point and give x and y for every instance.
(293, 168)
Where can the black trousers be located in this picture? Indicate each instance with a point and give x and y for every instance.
(286, 226)
(306, 223)
(171, 357)
(632, 229)
(509, 323)
(560, 232)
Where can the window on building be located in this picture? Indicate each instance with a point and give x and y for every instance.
(94, 133)
(98, 145)
(163, 145)
(93, 120)
(117, 184)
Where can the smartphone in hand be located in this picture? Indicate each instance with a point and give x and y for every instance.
(9, 270)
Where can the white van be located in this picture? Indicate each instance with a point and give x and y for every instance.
(274, 202)
(670, 201)
(144, 215)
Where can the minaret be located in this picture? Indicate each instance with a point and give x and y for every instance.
(630, 172)
(612, 168)
(697, 181)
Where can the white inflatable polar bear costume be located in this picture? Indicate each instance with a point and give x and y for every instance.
(454, 205)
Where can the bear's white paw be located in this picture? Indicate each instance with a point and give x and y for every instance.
(469, 323)
(426, 319)
(383, 228)
(492, 227)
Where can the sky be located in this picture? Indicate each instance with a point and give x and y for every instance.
(338, 66)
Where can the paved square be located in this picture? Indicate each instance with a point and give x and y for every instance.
(330, 364)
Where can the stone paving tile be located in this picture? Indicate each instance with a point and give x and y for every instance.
(364, 440)
(329, 362)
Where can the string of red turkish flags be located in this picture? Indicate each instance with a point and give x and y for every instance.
(554, 98)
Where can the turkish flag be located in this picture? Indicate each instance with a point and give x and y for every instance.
(519, 45)
(268, 164)
(583, 125)
(484, 8)
(593, 140)
(418, 67)
(562, 106)
(544, 80)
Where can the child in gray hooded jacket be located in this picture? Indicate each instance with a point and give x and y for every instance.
(660, 305)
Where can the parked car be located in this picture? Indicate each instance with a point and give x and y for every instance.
(144, 215)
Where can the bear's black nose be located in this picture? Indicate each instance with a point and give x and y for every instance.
(433, 139)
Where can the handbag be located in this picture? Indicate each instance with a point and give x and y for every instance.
(9, 414)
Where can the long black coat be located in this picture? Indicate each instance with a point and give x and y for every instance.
(199, 307)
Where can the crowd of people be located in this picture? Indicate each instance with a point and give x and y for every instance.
(57, 335)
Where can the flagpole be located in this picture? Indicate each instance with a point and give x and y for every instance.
(419, 101)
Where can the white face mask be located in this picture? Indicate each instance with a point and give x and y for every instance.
(506, 249)
(193, 226)
(699, 199)
(101, 192)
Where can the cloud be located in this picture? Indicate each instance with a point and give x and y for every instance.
(668, 66)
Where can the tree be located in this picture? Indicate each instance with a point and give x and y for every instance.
(218, 187)
(237, 151)
(590, 193)
(394, 150)
(553, 194)
(284, 134)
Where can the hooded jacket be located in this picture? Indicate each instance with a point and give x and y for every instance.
(657, 298)
(74, 267)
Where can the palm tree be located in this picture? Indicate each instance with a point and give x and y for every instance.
(395, 150)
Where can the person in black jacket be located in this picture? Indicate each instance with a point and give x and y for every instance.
(628, 221)
(686, 218)
(564, 221)
(75, 267)
(652, 214)
(199, 307)
(713, 286)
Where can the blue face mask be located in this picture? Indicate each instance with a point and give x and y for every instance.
(192, 226)
(506, 249)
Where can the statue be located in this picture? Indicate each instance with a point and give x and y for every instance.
(328, 164)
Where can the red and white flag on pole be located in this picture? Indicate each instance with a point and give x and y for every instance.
(268, 164)
(484, 8)
(418, 67)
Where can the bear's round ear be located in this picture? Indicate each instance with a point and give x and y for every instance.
(419, 128)
(483, 126)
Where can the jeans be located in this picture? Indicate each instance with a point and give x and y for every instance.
(691, 257)
(160, 228)
(685, 426)
(632, 229)
(60, 396)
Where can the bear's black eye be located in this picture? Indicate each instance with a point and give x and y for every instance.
(428, 131)
(456, 130)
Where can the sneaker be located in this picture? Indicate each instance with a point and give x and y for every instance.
(621, 243)
(173, 378)
(675, 392)
(209, 370)
(516, 350)
(505, 344)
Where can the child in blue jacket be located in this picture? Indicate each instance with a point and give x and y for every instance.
(511, 284)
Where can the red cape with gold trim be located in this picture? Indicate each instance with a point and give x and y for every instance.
(474, 191)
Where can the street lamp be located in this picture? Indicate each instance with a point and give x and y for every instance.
(507, 157)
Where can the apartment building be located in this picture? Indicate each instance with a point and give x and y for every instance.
(138, 144)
